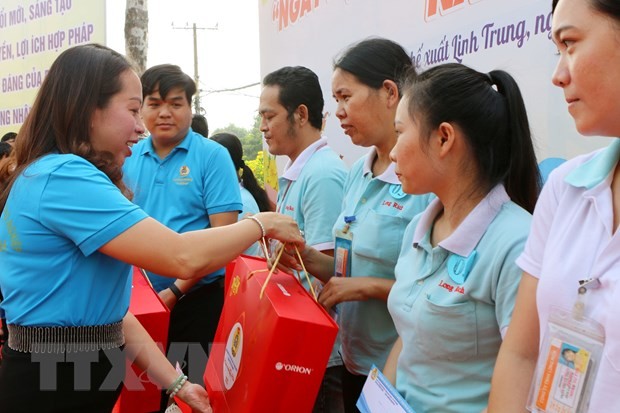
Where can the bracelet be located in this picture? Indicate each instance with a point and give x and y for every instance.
(175, 290)
(178, 388)
(176, 385)
(260, 224)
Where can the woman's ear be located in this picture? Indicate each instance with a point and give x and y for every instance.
(445, 136)
(393, 96)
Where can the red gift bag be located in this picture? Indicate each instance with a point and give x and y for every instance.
(269, 353)
(139, 395)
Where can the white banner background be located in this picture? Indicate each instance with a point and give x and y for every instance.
(312, 32)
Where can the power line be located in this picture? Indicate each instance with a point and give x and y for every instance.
(232, 89)
(197, 108)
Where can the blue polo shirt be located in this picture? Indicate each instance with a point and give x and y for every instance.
(311, 191)
(451, 303)
(60, 211)
(196, 179)
(382, 211)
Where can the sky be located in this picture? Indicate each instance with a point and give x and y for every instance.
(228, 57)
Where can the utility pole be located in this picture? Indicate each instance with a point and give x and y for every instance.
(196, 76)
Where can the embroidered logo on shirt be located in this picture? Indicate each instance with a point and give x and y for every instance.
(392, 204)
(459, 266)
(396, 190)
(451, 288)
(184, 179)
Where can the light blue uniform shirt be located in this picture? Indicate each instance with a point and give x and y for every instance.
(196, 179)
(61, 210)
(249, 207)
(382, 212)
(311, 191)
(452, 330)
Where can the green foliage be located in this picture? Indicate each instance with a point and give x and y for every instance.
(234, 129)
(257, 167)
(252, 141)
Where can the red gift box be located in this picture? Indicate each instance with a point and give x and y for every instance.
(269, 353)
(139, 394)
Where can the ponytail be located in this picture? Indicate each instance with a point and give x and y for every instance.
(522, 179)
(490, 111)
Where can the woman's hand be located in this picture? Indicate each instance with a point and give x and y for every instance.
(281, 227)
(289, 259)
(196, 397)
(339, 289)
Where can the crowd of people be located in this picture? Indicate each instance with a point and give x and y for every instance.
(440, 254)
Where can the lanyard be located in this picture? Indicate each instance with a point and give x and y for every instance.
(281, 204)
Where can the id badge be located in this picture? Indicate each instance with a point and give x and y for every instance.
(342, 254)
(567, 364)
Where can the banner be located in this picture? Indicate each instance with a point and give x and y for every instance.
(512, 35)
(32, 34)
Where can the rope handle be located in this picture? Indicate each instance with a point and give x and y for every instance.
(275, 264)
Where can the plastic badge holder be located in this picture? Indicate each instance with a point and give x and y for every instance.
(569, 359)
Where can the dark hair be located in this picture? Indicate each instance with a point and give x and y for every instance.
(566, 350)
(233, 144)
(165, 78)
(374, 60)
(489, 109)
(610, 8)
(200, 125)
(299, 86)
(9, 136)
(81, 79)
(5, 149)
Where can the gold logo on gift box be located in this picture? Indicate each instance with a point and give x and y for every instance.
(234, 286)
(235, 342)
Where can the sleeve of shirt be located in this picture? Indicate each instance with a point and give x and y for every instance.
(532, 257)
(508, 279)
(220, 183)
(81, 203)
(321, 205)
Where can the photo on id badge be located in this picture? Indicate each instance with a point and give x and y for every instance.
(564, 377)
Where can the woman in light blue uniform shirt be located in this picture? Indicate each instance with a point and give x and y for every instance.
(374, 213)
(69, 234)
(464, 136)
(253, 197)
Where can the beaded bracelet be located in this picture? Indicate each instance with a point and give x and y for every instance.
(176, 385)
(260, 224)
(178, 388)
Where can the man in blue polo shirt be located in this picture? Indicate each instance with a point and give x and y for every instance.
(188, 183)
(311, 187)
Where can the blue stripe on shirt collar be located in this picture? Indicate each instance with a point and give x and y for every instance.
(595, 170)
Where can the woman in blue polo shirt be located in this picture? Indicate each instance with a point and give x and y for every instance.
(374, 213)
(68, 234)
(253, 197)
(464, 136)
